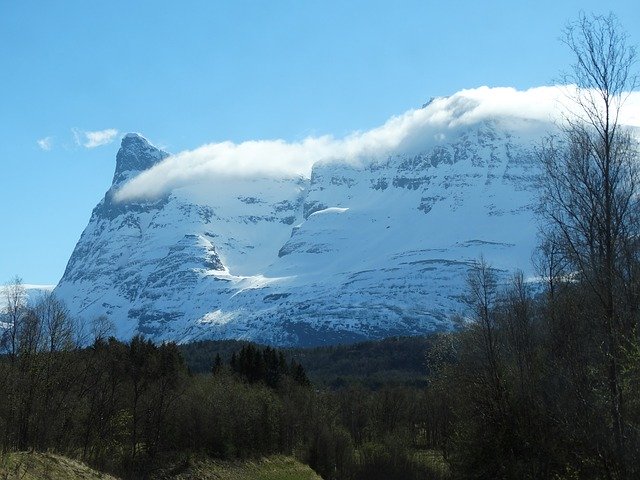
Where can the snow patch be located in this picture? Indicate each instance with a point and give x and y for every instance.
(330, 210)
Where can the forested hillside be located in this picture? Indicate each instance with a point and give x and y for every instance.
(392, 361)
(133, 408)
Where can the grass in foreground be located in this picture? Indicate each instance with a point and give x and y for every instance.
(277, 467)
(45, 466)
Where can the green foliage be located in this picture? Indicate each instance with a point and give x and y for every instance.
(373, 364)
(267, 365)
(199, 356)
(517, 393)
(533, 402)
(129, 408)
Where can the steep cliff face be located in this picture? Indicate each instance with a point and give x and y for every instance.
(359, 250)
(385, 248)
(154, 267)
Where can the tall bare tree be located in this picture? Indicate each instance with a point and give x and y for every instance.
(56, 322)
(16, 303)
(591, 191)
(483, 291)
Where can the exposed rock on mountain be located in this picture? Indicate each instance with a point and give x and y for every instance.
(359, 250)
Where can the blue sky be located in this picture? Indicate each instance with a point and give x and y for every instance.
(188, 73)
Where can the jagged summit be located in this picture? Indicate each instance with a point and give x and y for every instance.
(135, 155)
(135, 136)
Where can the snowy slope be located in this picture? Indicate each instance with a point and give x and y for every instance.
(358, 250)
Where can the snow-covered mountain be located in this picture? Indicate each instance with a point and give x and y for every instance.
(359, 249)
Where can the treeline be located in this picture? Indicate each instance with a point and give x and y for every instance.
(266, 365)
(198, 355)
(374, 364)
(108, 404)
(524, 386)
(520, 390)
(131, 408)
(397, 361)
(126, 407)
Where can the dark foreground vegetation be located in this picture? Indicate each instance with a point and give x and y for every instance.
(133, 408)
(520, 390)
(394, 361)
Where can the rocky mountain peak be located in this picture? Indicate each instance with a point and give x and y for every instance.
(135, 155)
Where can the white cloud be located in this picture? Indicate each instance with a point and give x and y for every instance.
(411, 131)
(95, 138)
(45, 143)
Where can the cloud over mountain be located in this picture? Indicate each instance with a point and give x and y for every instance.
(410, 131)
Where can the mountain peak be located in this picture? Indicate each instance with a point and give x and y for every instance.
(133, 137)
(136, 154)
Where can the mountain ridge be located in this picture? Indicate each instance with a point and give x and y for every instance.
(359, 250)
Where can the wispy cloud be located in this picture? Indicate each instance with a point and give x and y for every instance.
(92, 139)
(45, 143)
(413, 131)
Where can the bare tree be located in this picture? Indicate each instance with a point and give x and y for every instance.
(58, 328)
(31, 337)
(591, 189)
(483, 294)
(16, 303)
(483, 291)
(102, 328)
